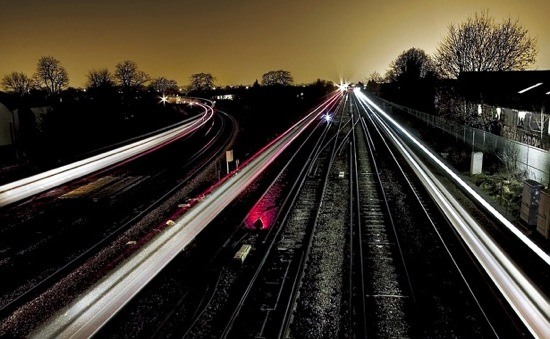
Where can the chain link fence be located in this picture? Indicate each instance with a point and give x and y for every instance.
(532, 162)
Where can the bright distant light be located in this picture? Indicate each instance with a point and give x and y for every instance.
(343, 87)
(357, 90)
(328, 118)
(163, 99)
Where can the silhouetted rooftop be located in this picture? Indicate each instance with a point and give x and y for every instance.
(514, 89)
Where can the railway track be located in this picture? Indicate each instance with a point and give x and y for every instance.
(276, 300)
(267, 303)
(106, 192)
(341, 261)
(387, 290)
(357, 247)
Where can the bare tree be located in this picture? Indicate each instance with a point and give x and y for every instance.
(412, 64)
(279, 77)
(375, 77)
(201, 82)
(480, 44)
(100, 78)
(164, 85)
(129, 76)
(51, 74)
(374, 80)
(18, 82)
(509, 155)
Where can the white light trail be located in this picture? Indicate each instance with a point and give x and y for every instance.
(529, 303)
(93, 309)
(461, 182)
(24, 188)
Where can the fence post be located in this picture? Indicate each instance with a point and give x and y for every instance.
(527, 161)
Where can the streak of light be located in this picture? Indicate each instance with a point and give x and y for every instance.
(474, 194)
(89, 312)
(24, 188)
(528, 302)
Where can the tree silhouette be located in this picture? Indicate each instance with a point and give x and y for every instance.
(480, 44)
(129, 76)
(164, 85)
(201, 82)
(280, 77)
(17, 82)
(411, 65)
(51, 74)
(374, 81)
(410, 80)
(100, 78)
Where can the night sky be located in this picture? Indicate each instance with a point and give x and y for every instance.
(238, 41)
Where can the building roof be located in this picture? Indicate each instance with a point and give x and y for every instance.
(516, 89)
(8, 101)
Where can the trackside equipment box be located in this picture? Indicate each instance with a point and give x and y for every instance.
(530, 202)
(242, 253)
(543, 220)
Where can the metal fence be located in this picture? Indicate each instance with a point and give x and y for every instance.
(533, 162)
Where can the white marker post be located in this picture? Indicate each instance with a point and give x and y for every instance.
(228, 158)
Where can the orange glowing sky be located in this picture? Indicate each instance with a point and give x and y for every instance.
(238, 41)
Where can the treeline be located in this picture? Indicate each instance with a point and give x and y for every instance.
(57, 123)
(479, 44)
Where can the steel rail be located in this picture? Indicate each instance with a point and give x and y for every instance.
(529, 303)
(41, 182)
(86, 315)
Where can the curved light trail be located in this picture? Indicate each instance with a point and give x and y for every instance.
(92, 310)
(24, 188)
(531, 305)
